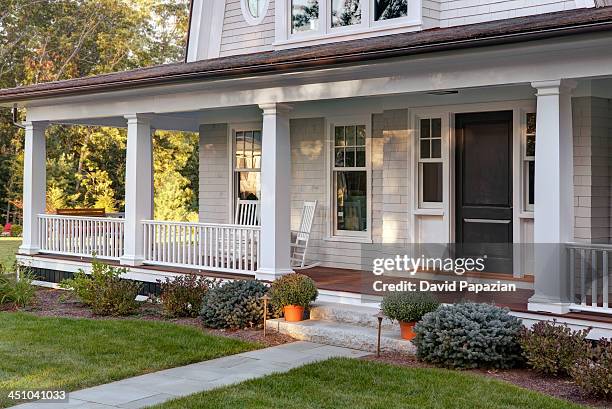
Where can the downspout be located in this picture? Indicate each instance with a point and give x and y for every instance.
(16, 119)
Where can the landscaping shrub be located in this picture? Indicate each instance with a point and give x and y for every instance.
(16, 230)
(234, 304)
(104, 290)
(293, 289)
(593, 373)
(183, 296)
(469, 335)
(553, 349)
(18, 291)
(408, 306)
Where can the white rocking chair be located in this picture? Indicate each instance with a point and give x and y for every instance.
(247, 213)
(300, 238)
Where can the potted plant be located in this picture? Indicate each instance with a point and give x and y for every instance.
(408, 308)
(293, 293)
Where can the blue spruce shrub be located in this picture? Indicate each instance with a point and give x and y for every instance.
(234, 305)
(469, 335)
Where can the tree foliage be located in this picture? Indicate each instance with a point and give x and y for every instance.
(50, 40)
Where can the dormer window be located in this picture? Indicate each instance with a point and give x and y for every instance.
(304, 16)
(345, 13)
(315, 21)
(390, 9)
(254, 11)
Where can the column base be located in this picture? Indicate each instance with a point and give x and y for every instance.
(271, 274)
(131, 261)
(28, 250)
(537, 304)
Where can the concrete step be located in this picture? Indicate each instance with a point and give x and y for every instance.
(342, 334)
(359, 315)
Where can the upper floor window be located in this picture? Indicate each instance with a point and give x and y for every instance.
(254, 11)
(390, 9)
(318, 17)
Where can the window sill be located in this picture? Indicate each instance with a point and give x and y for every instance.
(382, 29)
(348, 239)
(429, 212)
(526, 215)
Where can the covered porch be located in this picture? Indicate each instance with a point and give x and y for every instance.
(298, 114)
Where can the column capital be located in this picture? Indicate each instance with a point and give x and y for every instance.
(35, 124)
(554, 87)
(274, 108)
(137, 118)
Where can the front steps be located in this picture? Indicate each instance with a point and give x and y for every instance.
(349, 326)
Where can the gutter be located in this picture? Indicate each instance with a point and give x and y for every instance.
(314, 62)
(15, 118)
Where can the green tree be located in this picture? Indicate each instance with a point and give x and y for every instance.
(48, 40)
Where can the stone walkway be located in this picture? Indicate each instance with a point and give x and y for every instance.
(158, 387)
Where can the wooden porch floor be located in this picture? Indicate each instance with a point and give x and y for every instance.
(360, 282)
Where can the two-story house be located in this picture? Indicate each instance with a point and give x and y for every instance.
(408, 121)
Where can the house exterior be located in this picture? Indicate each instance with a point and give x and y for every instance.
(409, 121)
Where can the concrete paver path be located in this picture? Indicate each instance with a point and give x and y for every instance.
(158, 387)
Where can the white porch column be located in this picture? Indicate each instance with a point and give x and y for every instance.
(138, 187)
(34, 184)
(275, 202)
(554, 202)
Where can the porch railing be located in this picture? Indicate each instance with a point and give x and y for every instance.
(589, 269)
(214, 247)
(81, 236)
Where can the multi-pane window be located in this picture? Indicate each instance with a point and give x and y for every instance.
(312, 17)
(390, 9)
(430, 161)
(345, 13)
(350, 176)
(529, 162)
(304, 16)
(247, 164)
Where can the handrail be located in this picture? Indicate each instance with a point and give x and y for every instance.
(197, 224)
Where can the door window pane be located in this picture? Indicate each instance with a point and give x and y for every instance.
(390, 9)
(351, 200)
(345, 13)
(431, 180)
(304, 15)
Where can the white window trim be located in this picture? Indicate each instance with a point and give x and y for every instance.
(325, 33)
(246, 13)
(348, 236)
(231, 146)
(525, 206)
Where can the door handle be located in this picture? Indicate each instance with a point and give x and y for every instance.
(492, 221)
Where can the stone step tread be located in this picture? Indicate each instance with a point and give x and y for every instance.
(343, 334)
(350, 314)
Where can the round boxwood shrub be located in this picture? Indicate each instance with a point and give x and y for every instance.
(469, 335)
(408, 306)
(293, 289)
(234, 304)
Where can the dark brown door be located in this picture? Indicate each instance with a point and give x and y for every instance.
(483, 185)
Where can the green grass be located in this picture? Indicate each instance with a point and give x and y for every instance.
(8, 248)
(355, 384)
(64, 353)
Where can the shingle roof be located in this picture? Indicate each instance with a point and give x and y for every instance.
(535, 27)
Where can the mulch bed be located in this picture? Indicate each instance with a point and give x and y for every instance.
(525, 378)
(59, 303)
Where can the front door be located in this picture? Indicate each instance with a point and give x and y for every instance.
(483, 187)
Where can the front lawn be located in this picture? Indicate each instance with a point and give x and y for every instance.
(8, 248)
(354, 384)
(67, 353)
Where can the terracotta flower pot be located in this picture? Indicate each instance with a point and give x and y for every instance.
(407, 330)
(293, 313)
